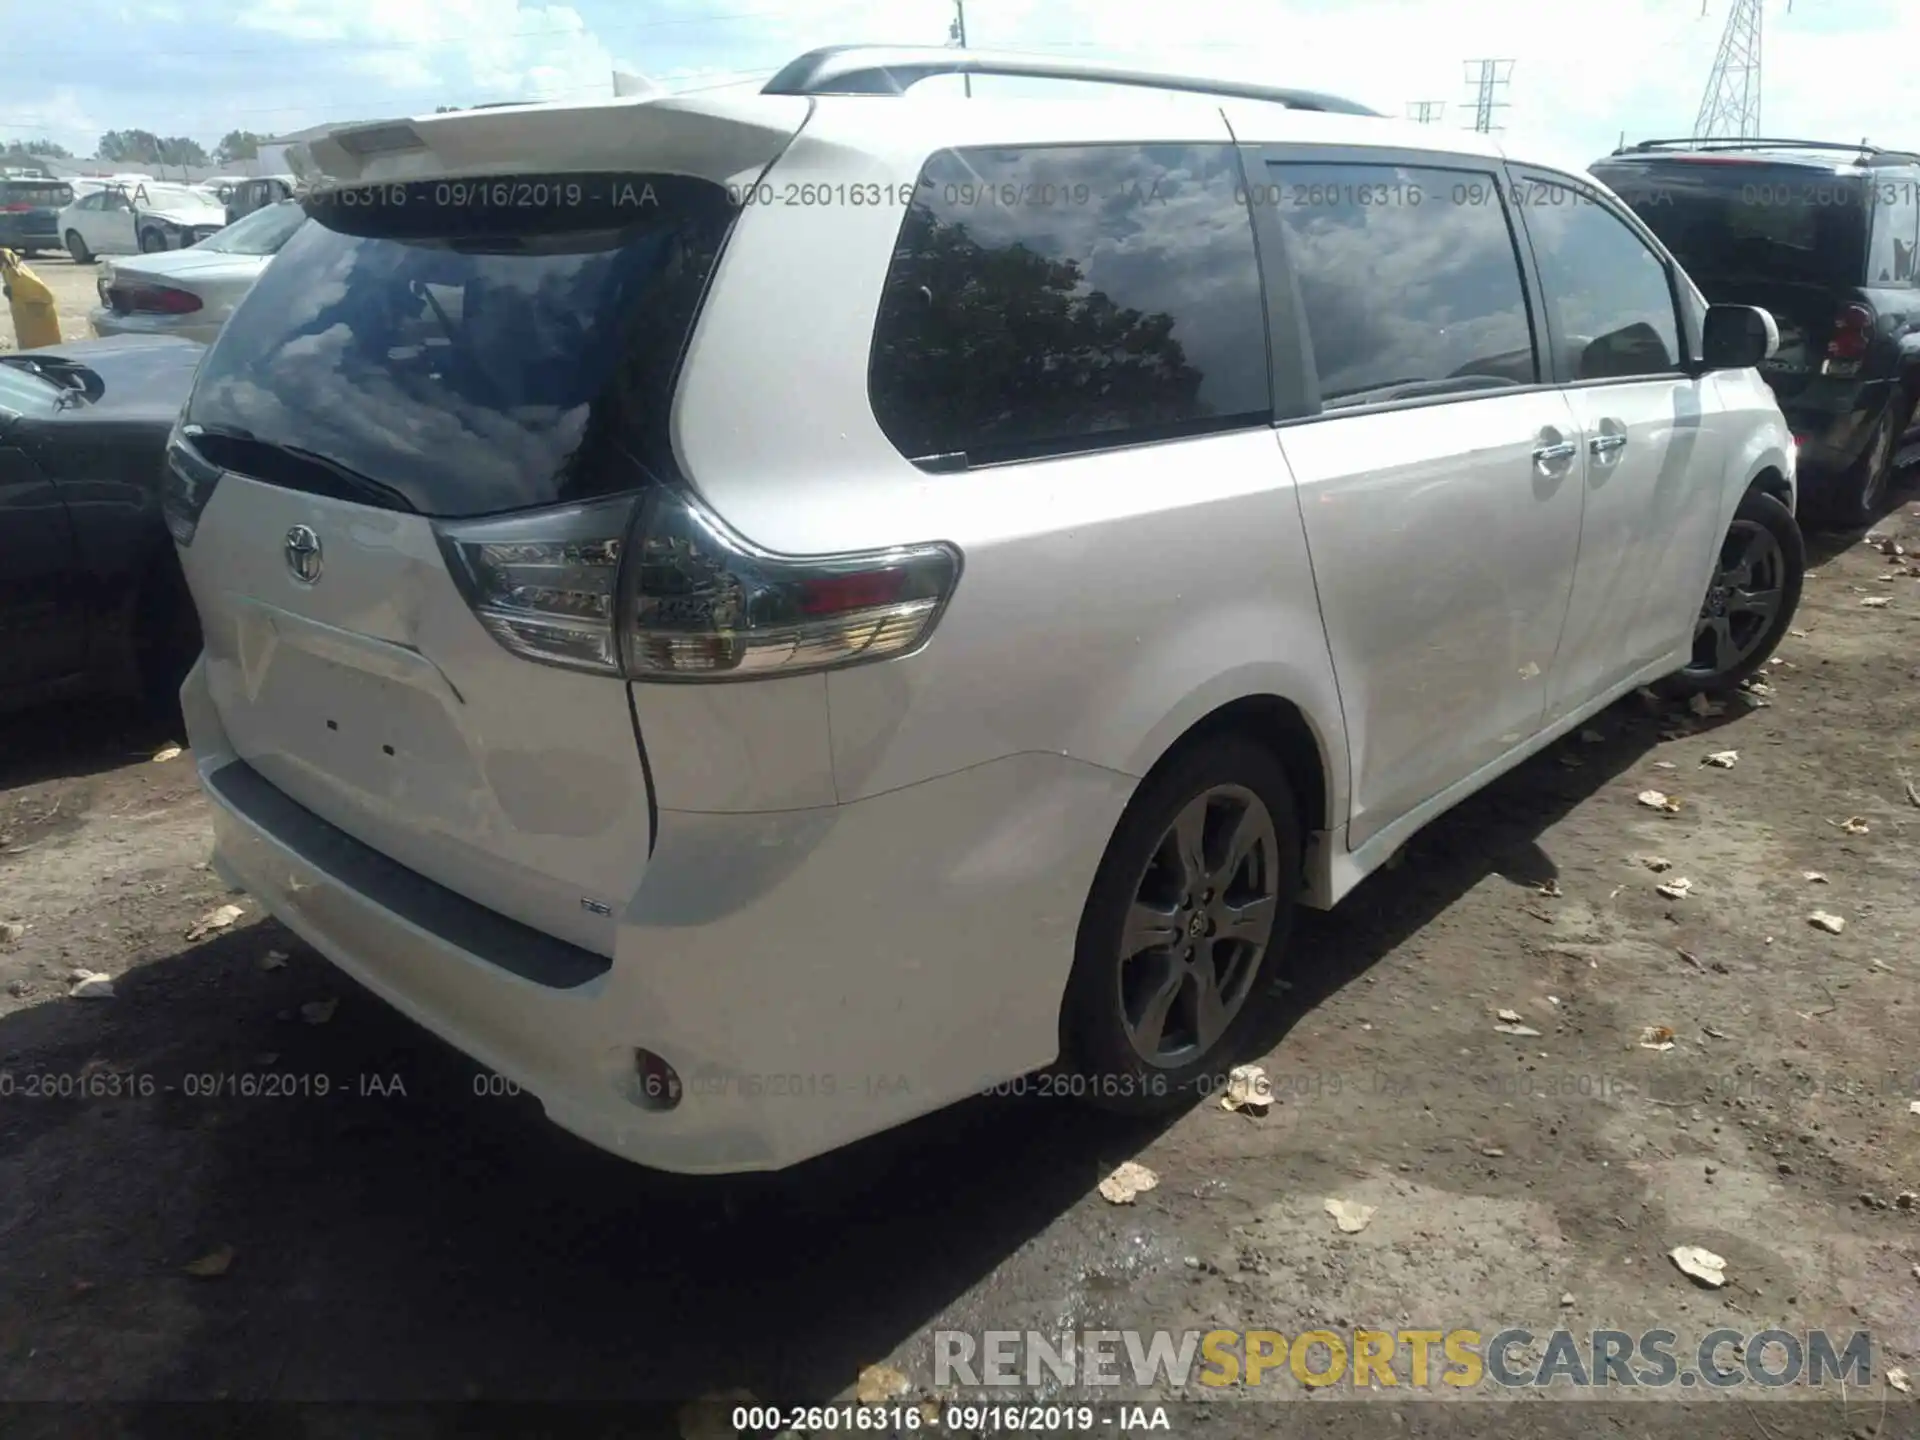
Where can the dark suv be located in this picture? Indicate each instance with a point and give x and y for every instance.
(1824, 236)
(30, 206)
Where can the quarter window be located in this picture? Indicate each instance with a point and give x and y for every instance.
(1608, 295)
(1408, 277)
(1065, 298)
(1896, 218)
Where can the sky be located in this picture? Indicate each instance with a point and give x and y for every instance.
(1581, 73)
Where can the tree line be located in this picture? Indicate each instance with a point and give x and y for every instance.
(141, 147)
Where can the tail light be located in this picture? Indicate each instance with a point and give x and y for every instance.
(16, 208)
(660, 590)
(152, 300)
(186, 487)
(1852, 335)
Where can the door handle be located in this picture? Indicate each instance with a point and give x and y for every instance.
(1607, 444)
(1550, 454)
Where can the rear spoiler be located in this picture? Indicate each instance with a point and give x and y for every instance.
(722, 139)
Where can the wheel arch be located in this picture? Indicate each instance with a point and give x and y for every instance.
(1771, 481)
(1310, 750)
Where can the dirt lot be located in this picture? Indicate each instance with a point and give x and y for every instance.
(416, 1241)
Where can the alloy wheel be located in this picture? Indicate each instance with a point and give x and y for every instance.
(1742, 601)
(1200, 922)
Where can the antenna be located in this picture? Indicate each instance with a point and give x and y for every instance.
(1487, 77)
(1426, 112)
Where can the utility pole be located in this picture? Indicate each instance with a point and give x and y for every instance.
(1426, 112)
(1730, 106)
(1487, 77)
(957, 35)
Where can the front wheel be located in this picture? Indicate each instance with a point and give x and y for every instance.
(1182, 931)
(1750, 600)
(151, 241)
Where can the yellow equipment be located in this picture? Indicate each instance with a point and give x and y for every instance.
(36, 320)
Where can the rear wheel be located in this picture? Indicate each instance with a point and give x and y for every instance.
(1188, 913)
(77, 248)
(1750, 599)
(1857, 500)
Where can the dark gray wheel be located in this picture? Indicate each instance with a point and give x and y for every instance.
(1192, 903)
(77, 248)
(152, 240)
(1197, 928)
(1750, 599)
(1864, 487)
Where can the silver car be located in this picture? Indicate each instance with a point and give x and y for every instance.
(191, 292)
(757, 617)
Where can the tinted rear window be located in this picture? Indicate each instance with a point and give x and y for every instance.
(468, 355)
(35, 192)
(1752, 221)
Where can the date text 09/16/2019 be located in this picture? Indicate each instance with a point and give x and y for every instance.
(954, 1418)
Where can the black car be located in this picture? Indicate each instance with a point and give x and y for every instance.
(91, 593)
(1824, 236)
(30, 213)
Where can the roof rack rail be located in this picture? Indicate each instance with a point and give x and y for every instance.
(1866, 149)
(891, 70)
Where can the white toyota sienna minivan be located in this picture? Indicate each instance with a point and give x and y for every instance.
(758, 617)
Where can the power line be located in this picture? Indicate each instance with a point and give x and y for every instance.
(1426, 112)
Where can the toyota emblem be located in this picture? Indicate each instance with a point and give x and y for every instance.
(303, 554)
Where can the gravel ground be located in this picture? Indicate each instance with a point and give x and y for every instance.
(418, 1241)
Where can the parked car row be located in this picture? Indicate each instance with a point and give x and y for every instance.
(751, 674)
(131, 219)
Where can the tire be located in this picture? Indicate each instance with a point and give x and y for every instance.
(1861, 491)
(152, 241)
(1103, 1050)
(1762, 542)
(77, 248)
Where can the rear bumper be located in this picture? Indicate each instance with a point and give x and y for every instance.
(813, 976)
(20, 237)
(1833, 437)
(183, 327)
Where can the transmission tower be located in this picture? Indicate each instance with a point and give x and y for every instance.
(1427, 112)
(1731, 105)
(1487, 77)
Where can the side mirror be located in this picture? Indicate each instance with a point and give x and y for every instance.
(1737, 337)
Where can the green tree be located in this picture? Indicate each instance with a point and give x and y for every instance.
(25, 152)
(137, 146)
(237, 145)
(143, 147)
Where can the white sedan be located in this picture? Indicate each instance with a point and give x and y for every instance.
(129, 219)
(191, 292)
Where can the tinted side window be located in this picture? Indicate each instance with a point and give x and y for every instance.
(1606, 292)
(1896, 229)
(1409, 280)
(1063, 298)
